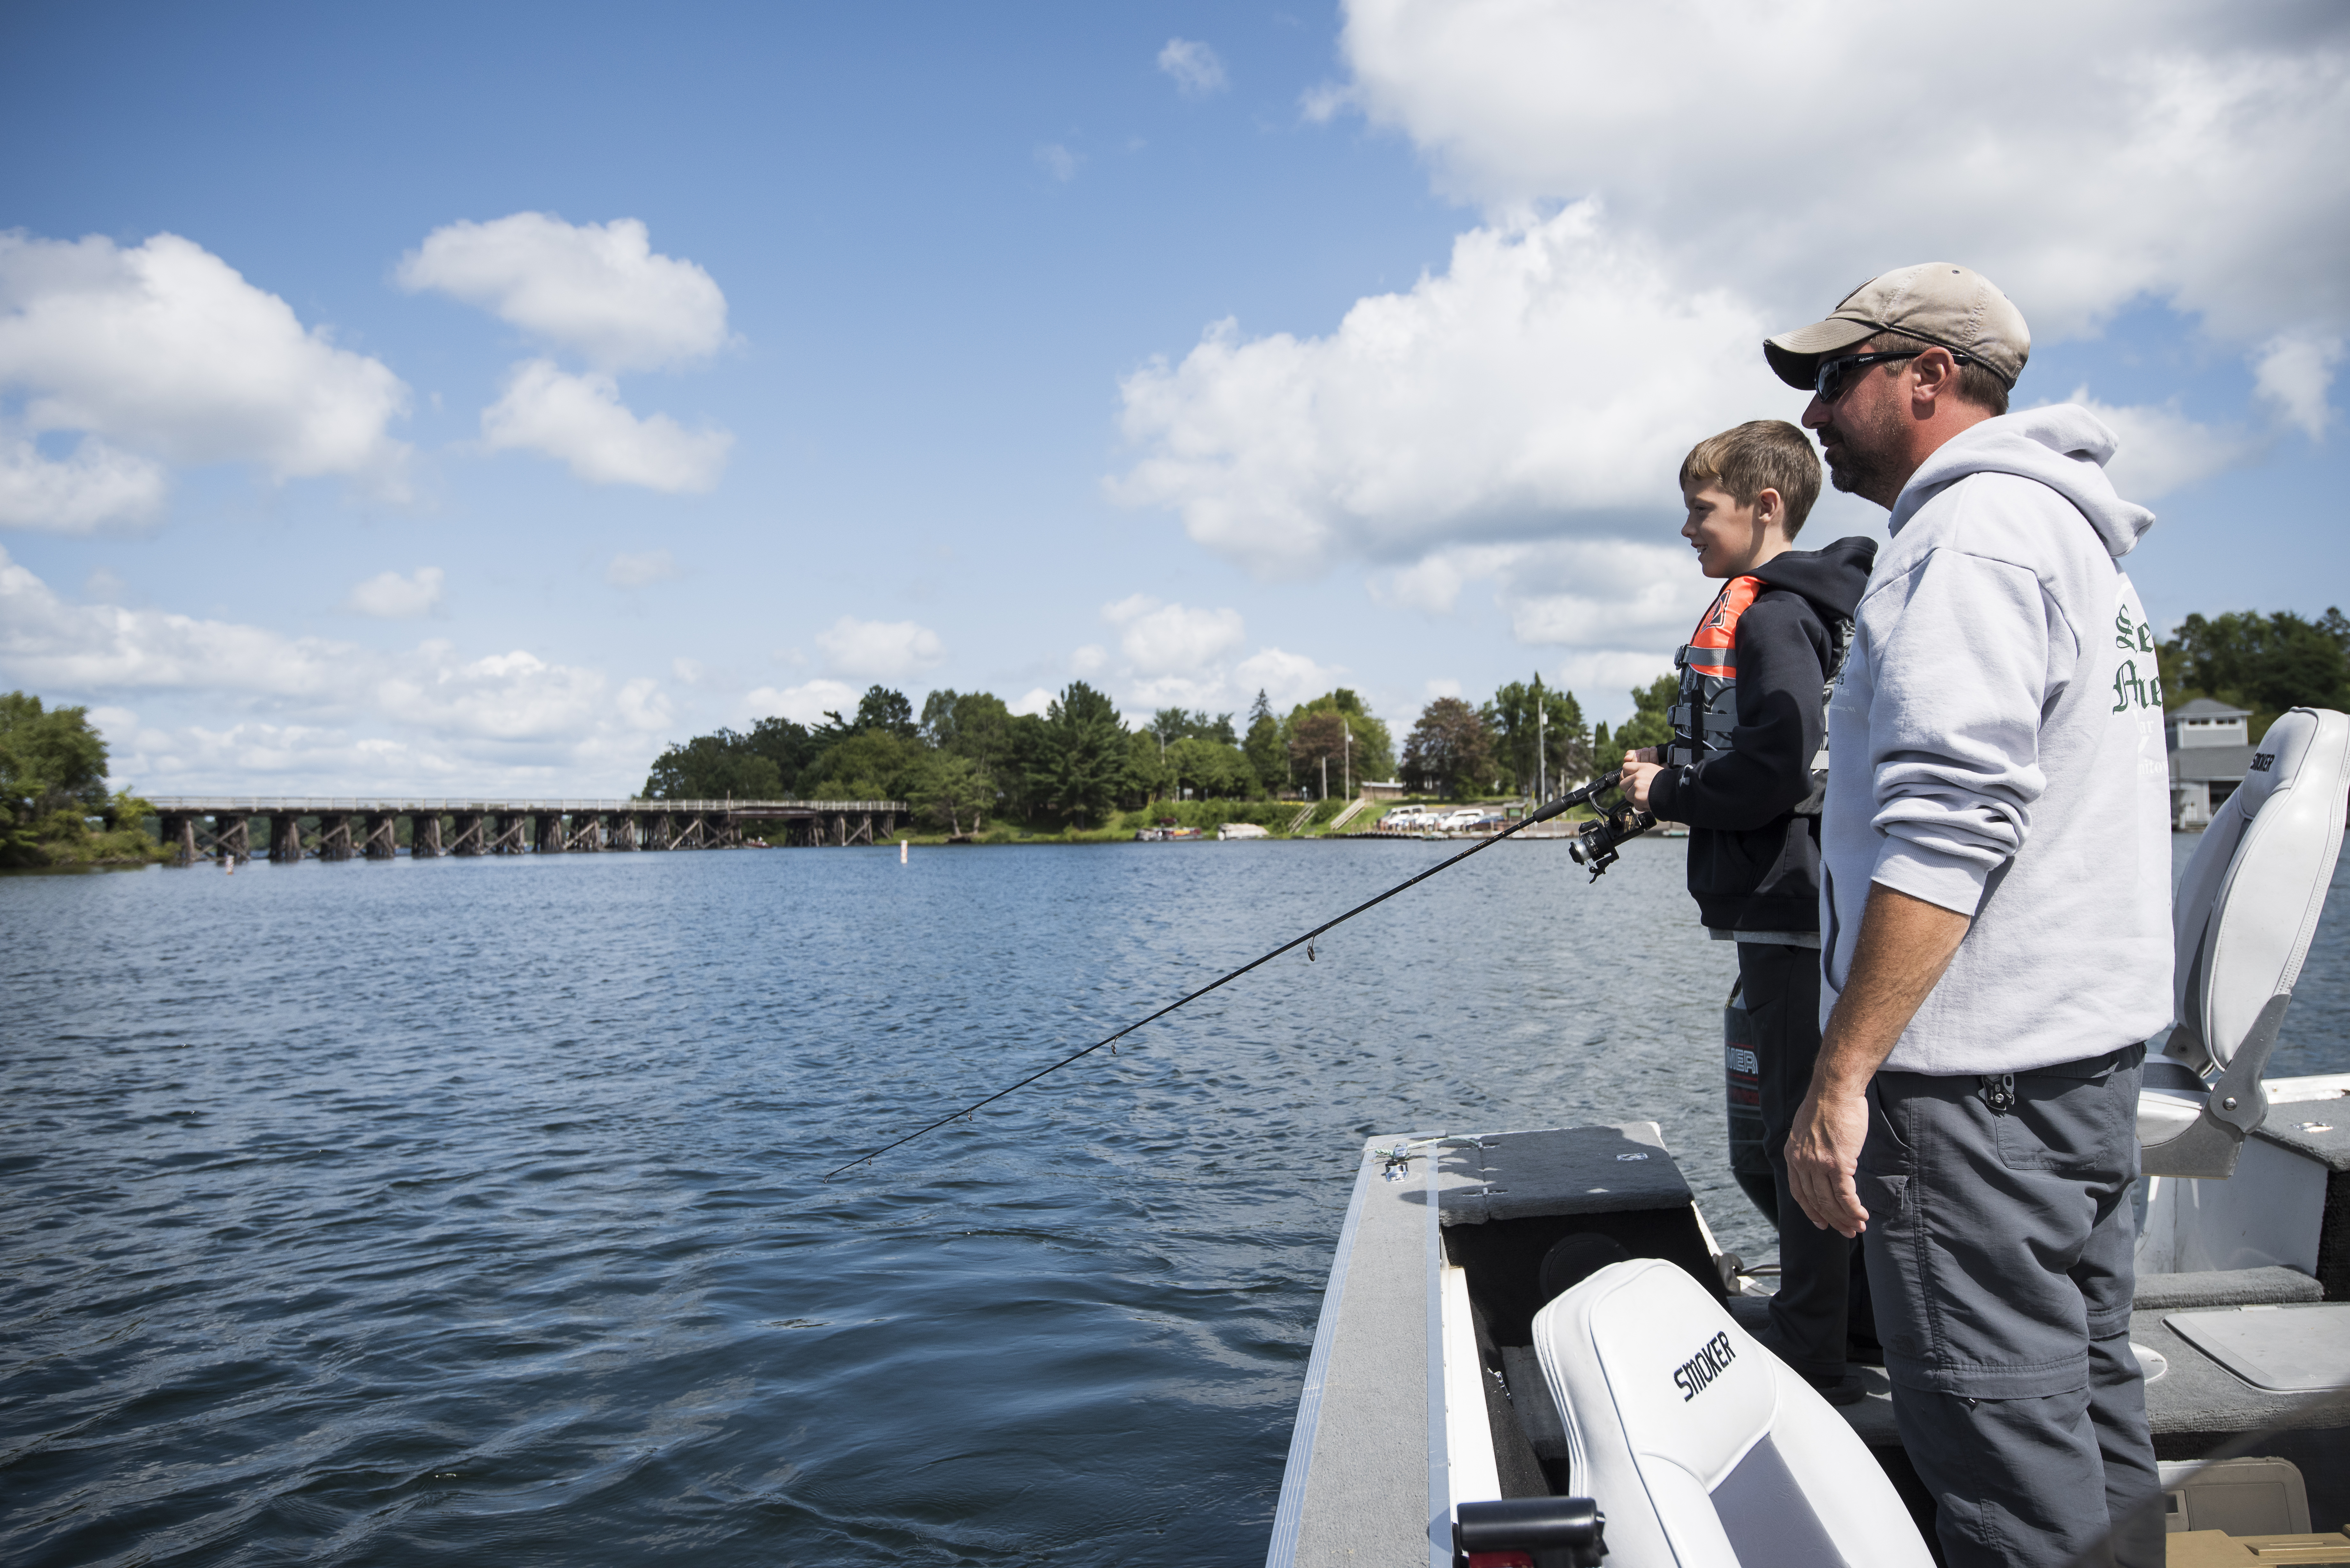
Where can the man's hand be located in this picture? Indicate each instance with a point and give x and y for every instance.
(1905, 944)
(1641, 770)
(1823, 1152)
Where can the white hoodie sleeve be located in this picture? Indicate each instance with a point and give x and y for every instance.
(1960, 649)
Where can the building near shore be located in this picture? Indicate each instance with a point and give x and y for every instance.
(2210, 753)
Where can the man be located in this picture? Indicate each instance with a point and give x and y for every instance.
(1995, 922)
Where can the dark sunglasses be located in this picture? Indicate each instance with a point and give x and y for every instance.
(1833, 377)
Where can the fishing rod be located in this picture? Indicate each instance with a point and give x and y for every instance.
(1594, 848)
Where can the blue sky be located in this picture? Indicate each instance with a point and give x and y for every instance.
(595, 379)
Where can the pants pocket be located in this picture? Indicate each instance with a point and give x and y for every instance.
(2066, 1126)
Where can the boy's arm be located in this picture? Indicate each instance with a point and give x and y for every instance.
(1767, 772)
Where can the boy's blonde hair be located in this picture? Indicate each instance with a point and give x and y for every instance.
(1759, 456)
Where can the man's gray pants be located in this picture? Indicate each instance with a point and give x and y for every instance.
(1999, 1251)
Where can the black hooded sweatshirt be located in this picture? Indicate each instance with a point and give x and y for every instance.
(1754, 860)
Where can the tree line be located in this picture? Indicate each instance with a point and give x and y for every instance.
(967, 757)
(2266, 663)
(53, 806)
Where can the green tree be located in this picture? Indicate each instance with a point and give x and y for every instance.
(1310, 739)
(887, 711)
(1449, 751)
(2266, 663)
(52, 779)
(1173, 725)
(1264, 749)
(1525, 715)
(974, 725)
(49, 761)
(1210, 769)
(870, 765)
(1147, 776)
(1650, 723)
(1080, 757)
(786, 744)
(952, 787)
(715, 767)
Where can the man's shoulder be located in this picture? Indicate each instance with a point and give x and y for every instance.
(2007, 517)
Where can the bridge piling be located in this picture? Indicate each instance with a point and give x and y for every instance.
(201, 827)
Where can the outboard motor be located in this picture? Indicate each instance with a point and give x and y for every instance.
(1742, 1087)
(2243, 921)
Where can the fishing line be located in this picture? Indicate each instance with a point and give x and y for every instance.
(1565, 802)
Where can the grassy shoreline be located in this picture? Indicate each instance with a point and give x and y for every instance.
(1273, 815)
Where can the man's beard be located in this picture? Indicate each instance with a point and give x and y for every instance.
(1861, 466)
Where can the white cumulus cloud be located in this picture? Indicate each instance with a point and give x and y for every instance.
(1646, 217)
(165, 351)
(597, 289)
(388, 595)
(640, 569)
(879, 649)
(1554, 375)
(2167, 149)
(1285, 678)
(95, 487)
(46, 644)
(315, 716)
(1166, 639)
(581, 419)
(2292, 375)
(805, 703)
(2160, 449)
(1195, 67)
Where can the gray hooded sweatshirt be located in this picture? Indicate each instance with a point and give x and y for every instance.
(1996, 748)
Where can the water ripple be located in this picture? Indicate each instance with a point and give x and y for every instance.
(470, 1210)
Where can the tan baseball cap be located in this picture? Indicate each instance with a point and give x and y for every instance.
(1936, 302)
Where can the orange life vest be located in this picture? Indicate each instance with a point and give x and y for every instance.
(1706, 710)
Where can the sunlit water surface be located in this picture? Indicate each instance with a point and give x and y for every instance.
(473, 1209)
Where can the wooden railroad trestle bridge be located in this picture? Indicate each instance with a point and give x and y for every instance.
(207, 828)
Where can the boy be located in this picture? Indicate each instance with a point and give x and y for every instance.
(1748, 732)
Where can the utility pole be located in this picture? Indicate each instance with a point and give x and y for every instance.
(1542, 749)
(1325, 775)
(1347, 770)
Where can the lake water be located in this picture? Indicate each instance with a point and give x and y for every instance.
(472, 1211)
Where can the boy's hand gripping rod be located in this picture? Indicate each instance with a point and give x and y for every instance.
(1595, 847)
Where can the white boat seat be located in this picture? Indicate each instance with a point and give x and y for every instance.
(1703, 1448)
(2241, 923)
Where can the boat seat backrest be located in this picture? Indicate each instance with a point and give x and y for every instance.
(2249, 903)
(2241, 923)
(1703, 1449)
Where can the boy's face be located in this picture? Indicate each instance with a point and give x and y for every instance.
(1729, 538)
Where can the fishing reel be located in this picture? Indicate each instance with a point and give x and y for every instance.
(1594, 842)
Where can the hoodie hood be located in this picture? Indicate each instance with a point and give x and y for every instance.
(2064, 446)
(1832, 576)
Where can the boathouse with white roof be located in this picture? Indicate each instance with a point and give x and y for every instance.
(2210, 753)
